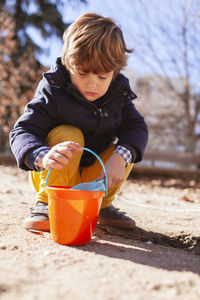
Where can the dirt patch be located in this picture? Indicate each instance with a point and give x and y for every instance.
(184, 241)
(159, 259)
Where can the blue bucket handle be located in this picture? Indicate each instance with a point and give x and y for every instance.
(101, 162)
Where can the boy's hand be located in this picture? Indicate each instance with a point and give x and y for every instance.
(115, 168)
(59, 155)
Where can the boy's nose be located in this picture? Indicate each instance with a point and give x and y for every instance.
(91, 84)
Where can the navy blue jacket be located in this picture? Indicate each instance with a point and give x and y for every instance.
(57, 102)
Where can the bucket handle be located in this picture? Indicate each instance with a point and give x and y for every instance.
(101, 162)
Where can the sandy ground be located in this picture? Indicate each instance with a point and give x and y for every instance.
(159, 259)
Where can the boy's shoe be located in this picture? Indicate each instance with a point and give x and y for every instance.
(113, 217)
(38, 218)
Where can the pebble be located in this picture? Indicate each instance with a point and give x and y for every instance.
(149, 243)
(3, 247)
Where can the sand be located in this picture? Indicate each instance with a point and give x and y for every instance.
(159, 259)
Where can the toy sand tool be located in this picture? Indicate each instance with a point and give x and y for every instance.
(73, 211)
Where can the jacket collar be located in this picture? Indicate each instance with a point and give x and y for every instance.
(58, 76)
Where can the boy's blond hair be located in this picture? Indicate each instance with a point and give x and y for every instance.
(94, 44)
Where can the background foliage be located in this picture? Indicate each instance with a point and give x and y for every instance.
(20, 70)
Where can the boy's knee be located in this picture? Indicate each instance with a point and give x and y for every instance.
(64, 133)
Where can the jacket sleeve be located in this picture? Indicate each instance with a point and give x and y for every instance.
(34, 125)
(133, 132)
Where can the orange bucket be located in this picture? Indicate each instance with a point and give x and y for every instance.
(73, 213)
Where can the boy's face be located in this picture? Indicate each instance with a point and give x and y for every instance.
(91, 86)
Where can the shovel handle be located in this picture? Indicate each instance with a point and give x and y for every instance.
(99, 159)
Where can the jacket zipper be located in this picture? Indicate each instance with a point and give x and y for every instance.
(100, 109)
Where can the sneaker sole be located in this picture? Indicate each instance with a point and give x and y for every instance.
(37, 225)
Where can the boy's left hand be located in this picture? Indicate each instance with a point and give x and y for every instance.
(115, 168)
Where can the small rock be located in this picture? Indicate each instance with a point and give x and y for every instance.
(3, 247)
(149, 243)
(15, 248)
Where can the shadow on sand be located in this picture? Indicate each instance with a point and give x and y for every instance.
(154, 249)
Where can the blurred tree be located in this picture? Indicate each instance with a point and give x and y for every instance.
(43, 15)
(168, 42)
(20, 71)
(17, 84)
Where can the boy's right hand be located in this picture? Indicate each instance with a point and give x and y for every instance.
(59, 155)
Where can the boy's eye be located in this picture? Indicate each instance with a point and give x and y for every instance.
(82, 74)
(102, 77)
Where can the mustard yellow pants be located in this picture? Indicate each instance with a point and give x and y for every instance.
(72, 174)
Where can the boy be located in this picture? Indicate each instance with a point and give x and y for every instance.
(82, 101)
